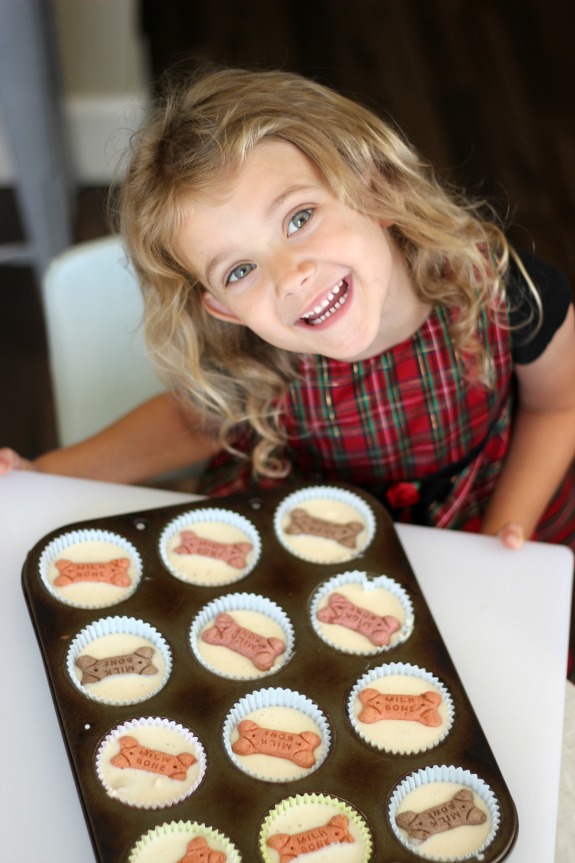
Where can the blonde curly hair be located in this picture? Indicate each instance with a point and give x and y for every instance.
(205, 129)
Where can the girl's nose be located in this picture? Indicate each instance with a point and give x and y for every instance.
(292, 274)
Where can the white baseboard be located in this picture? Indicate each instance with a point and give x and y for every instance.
(99, 130)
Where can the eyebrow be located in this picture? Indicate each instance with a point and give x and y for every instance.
(212, 266)
(270, 210)
(277, 202)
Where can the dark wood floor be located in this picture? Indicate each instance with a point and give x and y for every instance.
(486, 90)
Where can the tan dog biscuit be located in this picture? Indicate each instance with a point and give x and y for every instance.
(459, 811)
(138, 662)
(344, 534)
(133, 754)
(377, 628)
(291, 846)
(261, 651)
(198, 851)
(255, 739)
(233, 553)
(112, 572)
(386, 705)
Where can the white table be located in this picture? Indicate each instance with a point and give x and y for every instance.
(504, 617)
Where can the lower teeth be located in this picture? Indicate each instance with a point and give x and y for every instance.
(337, 305)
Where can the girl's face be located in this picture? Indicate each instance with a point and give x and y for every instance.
(278, 253)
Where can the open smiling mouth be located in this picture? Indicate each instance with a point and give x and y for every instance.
(334, 301)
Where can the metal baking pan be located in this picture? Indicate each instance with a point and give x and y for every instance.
(227, 799)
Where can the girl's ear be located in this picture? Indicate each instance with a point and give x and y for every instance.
(218, 310)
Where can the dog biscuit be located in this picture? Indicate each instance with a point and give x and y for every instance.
(256, 739)
(233, 553)
(375, 627)
(459, 811)
(386, 705)
(138, 662)
(133, 754)
(261, 651)
(198, 851)
(289, 847)
(344, 534)
(111, 571)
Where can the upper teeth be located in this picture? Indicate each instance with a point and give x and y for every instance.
(317, 310)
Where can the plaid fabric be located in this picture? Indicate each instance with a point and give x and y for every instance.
(394, 421)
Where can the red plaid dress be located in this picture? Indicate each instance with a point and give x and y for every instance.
(408, 427)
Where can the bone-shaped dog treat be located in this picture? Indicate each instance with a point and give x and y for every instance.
(198, 851)
(138, 662)
(233, 553)
(459, 811)
(377, 628)
(133, 754)
(111, 571)
(345, 534)
(255, 739)
(291, 846)
(261, 651)
(386, 705)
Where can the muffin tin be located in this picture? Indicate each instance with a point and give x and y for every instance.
(227, 798)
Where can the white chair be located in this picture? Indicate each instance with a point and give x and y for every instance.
(93, 311)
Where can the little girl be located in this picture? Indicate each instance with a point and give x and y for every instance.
(321, 308)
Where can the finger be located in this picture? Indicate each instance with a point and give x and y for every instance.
(512, 536)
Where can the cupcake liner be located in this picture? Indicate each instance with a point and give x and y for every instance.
(347, 640)
(287, 713)
(162, 745)
(307, 812)
(170, 841)
(113, 637)
(398, 736)
(455, 844)
(90, 546)
(226, 564)
(317, 549)
(252, 612)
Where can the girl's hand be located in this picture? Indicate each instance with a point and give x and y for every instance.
(511, 535)
(10, 460)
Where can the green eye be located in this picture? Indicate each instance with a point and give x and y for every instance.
(240, 272)
(298, 220)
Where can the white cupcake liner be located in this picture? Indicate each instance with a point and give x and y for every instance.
(333, 806)
(369, 582)
(458, 776)
(263, 699)
(435, 735)
(90, 594)
(197, 517)
(330, 493)
(163, 787)
(169, 841)
(229, 604)
(118, 626)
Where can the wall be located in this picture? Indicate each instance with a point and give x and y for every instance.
(105, 84)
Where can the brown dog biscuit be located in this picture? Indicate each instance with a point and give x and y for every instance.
(198, 851)
(290, 846)
(233, 553)
(255, 739)
(261, 651)
(301, 522)
(111, 571)
(459, 811)
(138, 662)
(386, 705)
(133, 754)
(376, 627)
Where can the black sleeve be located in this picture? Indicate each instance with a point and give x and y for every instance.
(531, 331)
